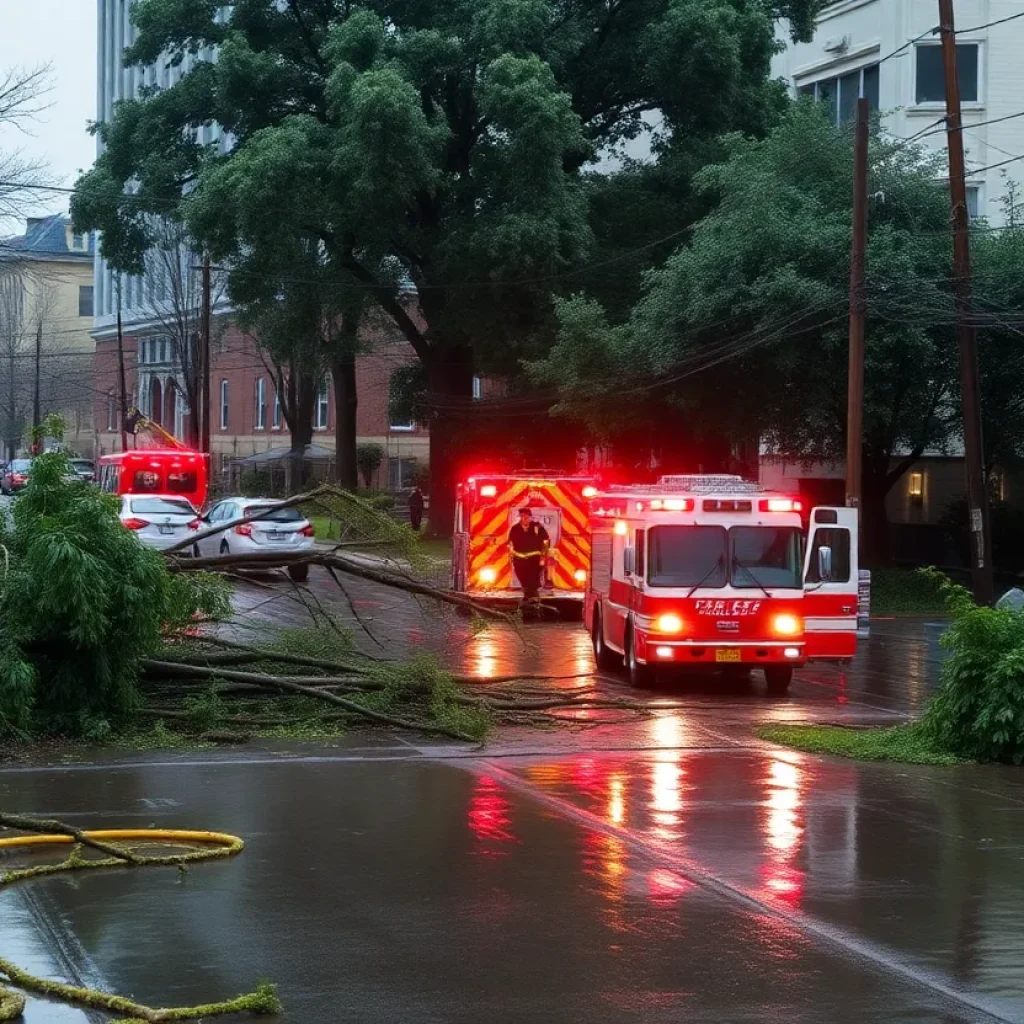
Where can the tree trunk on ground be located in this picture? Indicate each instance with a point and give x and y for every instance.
(343, 373)
(450, 383)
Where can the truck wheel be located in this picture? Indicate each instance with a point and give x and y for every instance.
(778, 678)
(299, 573)
(606, 658)
(639, 675)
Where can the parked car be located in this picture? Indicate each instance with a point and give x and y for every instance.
(84, 469)
(282, 529)
(15, 476)
(159, 520)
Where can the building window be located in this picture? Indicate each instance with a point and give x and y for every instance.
(973, 202)
(224, 405)
(915, 488)
(930, 78)
(478, 388)
(840, 94)
(275, 422)
(322, 407)
(85, 300)
(401, 473)
(79, 243)
(261, 404)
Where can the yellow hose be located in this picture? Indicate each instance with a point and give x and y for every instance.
(148, 835)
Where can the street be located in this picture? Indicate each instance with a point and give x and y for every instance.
(656, 869)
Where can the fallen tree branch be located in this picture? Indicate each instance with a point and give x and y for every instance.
(47, 826)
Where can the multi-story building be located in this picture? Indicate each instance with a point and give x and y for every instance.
(159, 310)
(887, 51)
(46, 315)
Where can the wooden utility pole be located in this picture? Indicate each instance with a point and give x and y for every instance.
(206, 403)
(970, 389)
(855, 386)
(37, 415)
(123, 396)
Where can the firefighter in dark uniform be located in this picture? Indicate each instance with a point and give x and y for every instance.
(529, 543)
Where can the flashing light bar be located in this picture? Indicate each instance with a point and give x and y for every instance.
(729, 505)
(671, 504)
(589, 492)
(488, 491)
(781, 505)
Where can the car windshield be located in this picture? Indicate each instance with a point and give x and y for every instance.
(765, 556)
(683, 556)
(162, 507)
(81, 466)
(21, 465)
(290, 514)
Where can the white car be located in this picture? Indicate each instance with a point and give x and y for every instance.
(159, 520)
(281, 529)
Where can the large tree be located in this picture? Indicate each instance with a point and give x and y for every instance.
(437, 142)
(744, 327)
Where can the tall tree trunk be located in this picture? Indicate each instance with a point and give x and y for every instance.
(301, 428)
(343, 373)
(450, 382)
(873, 514)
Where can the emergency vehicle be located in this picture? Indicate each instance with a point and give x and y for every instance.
(487, 507)
(715, 570)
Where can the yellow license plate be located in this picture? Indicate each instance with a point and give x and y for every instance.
(729, 654)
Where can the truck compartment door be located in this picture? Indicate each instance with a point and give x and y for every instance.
(831, 584)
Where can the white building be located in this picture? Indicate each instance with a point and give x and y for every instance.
(886, 51)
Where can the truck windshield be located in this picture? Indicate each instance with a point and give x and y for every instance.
(758, 556)
(683, 556)
(765, 556)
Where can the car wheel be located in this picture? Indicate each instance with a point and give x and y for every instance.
(299, 573)
(606, 658)
(639, 675)
(778, 678)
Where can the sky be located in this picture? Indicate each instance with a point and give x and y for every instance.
(61, 33)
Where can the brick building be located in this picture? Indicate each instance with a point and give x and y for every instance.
(246, 416)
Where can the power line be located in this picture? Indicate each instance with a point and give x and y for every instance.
(989, 24)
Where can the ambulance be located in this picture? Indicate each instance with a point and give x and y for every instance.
(487, 507)
(714, 570)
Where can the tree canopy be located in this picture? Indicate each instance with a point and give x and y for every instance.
(744, 327)
(438, 143)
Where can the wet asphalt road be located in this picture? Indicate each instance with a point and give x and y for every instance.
(665, 869)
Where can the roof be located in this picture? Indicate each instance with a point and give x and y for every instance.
(46, 238)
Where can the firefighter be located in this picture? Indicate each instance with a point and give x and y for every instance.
(529, 543)
(416, 506)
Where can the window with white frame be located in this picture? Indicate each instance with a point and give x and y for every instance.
(478, 388)
(323, 403)
(973, 202)
(260, 421)
(275, 417)
(930, 77)
(840, 94)
(224, 410)
(111, 411)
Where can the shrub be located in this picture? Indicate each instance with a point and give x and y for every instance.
(81, 603)
(979, 710)
(368, 459)
(255, 483)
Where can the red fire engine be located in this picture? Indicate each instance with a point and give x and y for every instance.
(487, 507)
(713, 569)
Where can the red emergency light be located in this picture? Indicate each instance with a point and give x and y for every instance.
(488, 491)
(781, 505)
(672, 504)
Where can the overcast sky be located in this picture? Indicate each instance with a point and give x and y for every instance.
(61, 33)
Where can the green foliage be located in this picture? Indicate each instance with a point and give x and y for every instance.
(905, 592)
(369, 457)
(979, 711)
(81, 603)
(905, 744)
(255, 483)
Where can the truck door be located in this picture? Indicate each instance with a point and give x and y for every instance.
(831, 584)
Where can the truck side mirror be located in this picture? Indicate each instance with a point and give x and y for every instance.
(628, 561)
(825, 564)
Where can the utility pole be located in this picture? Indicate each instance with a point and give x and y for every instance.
(855, 387)
(37, 415)
(970, 389)
(123, 396)
(205, 401)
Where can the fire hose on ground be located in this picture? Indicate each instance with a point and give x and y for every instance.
(120, 848)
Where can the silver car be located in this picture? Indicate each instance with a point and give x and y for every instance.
(281, 529)
(159, 520)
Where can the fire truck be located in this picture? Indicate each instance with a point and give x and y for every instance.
(714, 570)
(487, 507)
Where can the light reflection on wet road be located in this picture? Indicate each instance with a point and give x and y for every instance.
(661, 869)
